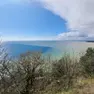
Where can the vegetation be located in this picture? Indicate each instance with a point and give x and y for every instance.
(87, 62)
(30, 74)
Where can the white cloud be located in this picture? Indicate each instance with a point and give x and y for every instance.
(73, 35)
(79, 15)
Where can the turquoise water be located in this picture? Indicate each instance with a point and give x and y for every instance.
(15, 49)
(55, 48)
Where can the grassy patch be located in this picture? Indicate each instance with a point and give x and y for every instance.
(85, 86)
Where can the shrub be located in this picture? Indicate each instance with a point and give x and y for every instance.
(87, 62)
(65, 71)
(18, 76)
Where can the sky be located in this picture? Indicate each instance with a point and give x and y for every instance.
(47, 19)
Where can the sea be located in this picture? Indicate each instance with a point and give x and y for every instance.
(56, 49)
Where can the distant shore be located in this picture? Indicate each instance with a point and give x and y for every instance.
(89, 41)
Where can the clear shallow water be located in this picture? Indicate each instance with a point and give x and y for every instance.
(55, 48)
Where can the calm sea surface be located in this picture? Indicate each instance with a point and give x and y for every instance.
(55, 48)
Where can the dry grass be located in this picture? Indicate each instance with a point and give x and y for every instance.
(85, 86)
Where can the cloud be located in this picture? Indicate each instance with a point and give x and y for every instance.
(79, 15)
(73, 35)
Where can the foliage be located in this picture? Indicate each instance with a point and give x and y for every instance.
(66, 71)
(87, 62)
(17, 77)
(34, 74)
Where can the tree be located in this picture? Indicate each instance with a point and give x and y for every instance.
(18, 76)
(87, 61)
